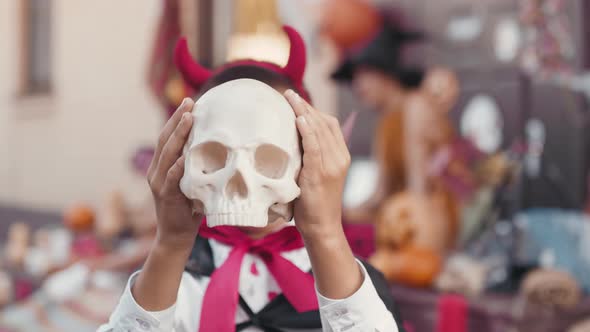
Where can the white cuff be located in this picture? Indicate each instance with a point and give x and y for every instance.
(362, 311)
(131, 316)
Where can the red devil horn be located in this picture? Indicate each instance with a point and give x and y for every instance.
(192, 72)
(295, 67)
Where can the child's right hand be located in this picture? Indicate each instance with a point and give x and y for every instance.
(177, 227)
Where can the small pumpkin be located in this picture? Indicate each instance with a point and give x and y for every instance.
(79, 218)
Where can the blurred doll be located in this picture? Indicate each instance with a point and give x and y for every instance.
(124, 230)
(6, 289)
(17, 245)
(127, 230)
(126, 233)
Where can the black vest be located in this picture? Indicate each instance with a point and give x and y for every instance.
(279, 314)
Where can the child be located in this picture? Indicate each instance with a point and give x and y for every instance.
(254, 279)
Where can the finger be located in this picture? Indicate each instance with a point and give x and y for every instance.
(316, 121)
(186, 106)
(175, 173)
(322, 131)
(315, 117)
(302, 107)
(334, 151)
(297, 103)
(337, 134)
(173, 148)
(348, 125)
(333, 126)
(311, 148)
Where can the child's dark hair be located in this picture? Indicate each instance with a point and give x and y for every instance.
(264, 75)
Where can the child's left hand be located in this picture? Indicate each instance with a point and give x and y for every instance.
(318, 211)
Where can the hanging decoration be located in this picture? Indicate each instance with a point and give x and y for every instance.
(163, 78)
(258, 33)
(549, 45)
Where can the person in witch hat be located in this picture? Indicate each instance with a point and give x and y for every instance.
(380, 78)
(226, 278)
(413, 127)
(376, 69)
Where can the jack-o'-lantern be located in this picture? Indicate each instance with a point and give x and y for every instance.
(411, 239)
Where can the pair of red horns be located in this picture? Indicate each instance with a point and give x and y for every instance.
(195, 74)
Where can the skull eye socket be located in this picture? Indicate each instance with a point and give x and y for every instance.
(271, 161)
(209, 157)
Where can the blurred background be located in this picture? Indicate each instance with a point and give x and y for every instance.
(469, 182)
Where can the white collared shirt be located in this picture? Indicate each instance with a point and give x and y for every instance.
(363, 311)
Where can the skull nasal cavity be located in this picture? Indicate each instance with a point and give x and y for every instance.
(236, 187)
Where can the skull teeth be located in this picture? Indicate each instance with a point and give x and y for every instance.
(237, 219)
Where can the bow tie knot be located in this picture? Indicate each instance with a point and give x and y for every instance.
(222, 291)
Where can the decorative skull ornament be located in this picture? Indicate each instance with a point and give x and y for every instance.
(242, 155)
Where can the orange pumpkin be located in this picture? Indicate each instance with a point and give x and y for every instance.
(79, 218)
(410, 266)
(349, 22)
(412, 236)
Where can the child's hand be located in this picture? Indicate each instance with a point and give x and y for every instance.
(318, 211)
(177, 228)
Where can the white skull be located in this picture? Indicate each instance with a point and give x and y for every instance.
(242, 155)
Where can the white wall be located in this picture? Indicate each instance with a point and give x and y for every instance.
(76, 144)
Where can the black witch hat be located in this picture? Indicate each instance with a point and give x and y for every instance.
(384, 53)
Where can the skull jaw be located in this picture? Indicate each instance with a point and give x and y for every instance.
(259, 219)
(238, 219)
